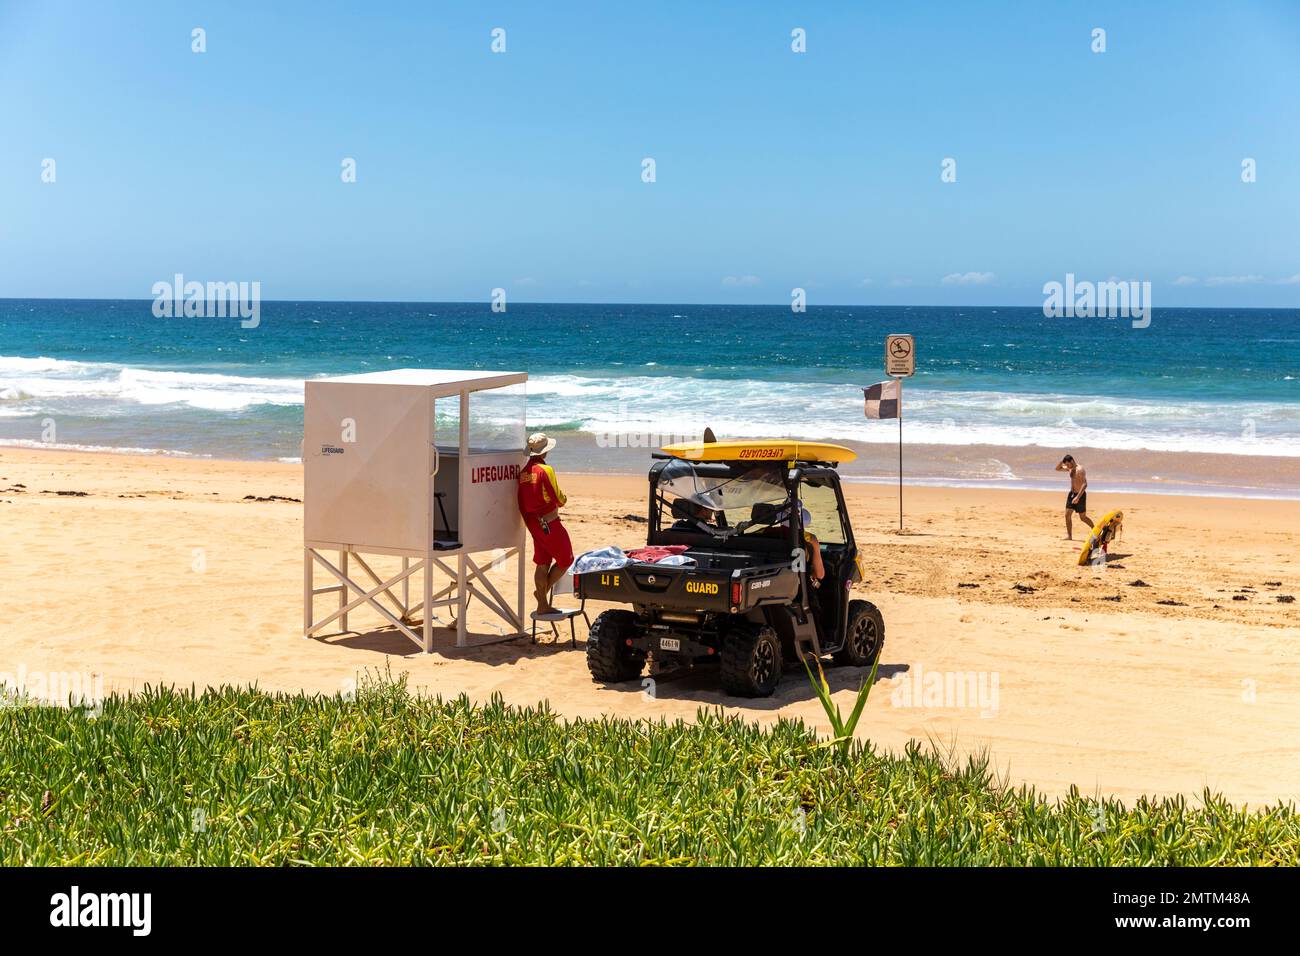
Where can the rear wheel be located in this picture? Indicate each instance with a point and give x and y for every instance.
(609, 658)
(751, 661)
(865, 635)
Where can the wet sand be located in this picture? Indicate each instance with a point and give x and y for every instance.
(1002, 466)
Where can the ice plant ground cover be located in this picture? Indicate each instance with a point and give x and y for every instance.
(240, 776)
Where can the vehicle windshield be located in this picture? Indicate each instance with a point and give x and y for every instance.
(720, 505)
(763, 484)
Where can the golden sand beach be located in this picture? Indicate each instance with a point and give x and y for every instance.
(1173, 669)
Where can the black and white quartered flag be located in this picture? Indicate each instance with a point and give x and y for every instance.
(884, 399)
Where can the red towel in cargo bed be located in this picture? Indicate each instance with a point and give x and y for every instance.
(656, 553)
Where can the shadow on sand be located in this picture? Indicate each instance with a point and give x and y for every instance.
(701, 686)
(483, 646)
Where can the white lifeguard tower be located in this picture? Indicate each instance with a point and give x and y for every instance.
(420, 464)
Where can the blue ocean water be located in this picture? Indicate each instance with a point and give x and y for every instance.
(110, 374)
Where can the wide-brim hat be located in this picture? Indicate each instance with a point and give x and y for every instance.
(539, 444)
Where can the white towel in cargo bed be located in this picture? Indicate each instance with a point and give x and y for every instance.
(602, 559)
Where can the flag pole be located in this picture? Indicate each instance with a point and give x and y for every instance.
(900, 453)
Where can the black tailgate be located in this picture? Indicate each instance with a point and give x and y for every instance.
(660, 585)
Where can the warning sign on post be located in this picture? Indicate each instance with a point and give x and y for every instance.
(900, 356)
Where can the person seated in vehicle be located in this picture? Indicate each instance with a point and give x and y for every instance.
(812, 547)
(692, 517)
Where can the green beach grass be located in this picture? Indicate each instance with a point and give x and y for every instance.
(242, 777)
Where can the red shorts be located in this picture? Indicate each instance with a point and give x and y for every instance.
(554, 547)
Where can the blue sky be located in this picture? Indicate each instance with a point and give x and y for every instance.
(774, 169)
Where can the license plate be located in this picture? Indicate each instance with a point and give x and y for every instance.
(669, 644)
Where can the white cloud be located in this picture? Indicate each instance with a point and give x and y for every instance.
(900, 283)
(967, 278)
(865, 282)
(746, 281)
(1234, 280)
(1185, 280)
(1291, 280)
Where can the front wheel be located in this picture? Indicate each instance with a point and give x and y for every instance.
(751, 662)
(609, 658)
(865, 635)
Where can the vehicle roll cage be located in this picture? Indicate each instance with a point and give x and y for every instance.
(792, 474)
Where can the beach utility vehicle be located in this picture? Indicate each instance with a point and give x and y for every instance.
(739, 591)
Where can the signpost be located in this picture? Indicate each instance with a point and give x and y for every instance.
(900, 363)
(900, 356)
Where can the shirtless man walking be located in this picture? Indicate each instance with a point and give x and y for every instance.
(1077, 499)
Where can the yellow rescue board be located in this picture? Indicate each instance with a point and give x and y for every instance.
(760, 449)
(1102, 535)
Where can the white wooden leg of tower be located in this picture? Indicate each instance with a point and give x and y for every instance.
(428, 606)
(462, 594)
(343, 592)
(523, 572)
(307, 586)
(406, 589)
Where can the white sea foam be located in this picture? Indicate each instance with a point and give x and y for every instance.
(751, 409)
(117, 449)
(684, 405)
(17, 364)
(33, 380)
(215, 392)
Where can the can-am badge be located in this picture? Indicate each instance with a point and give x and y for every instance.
(650, 580)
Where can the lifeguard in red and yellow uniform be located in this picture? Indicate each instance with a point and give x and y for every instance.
(540, 501)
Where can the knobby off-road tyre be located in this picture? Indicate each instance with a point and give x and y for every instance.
(609, 658)
(751, 661)
(865, 636)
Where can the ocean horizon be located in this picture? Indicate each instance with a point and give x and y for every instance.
(109, 375)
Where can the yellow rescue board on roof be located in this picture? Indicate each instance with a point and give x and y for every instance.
(760, 449)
